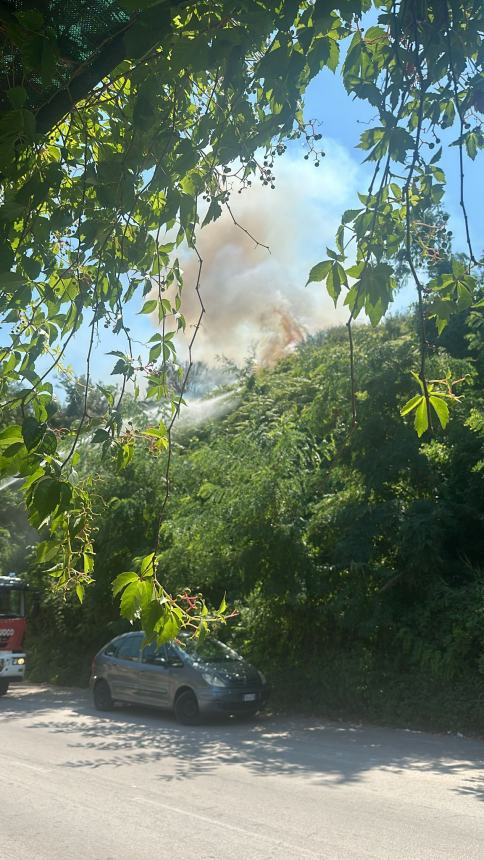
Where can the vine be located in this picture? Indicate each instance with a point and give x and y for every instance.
(104, 177)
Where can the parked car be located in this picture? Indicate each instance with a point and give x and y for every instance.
(192, 678)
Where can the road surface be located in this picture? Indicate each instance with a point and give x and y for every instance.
(132, 785)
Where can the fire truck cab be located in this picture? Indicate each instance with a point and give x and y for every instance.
(13, 623)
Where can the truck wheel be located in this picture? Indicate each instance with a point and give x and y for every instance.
(186, 708)
(3, 686)
(102, 696)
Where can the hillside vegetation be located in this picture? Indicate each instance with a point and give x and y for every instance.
(354, 556)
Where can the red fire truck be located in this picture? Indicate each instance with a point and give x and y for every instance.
(13, 622)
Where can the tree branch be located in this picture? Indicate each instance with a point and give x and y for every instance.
(97, 68)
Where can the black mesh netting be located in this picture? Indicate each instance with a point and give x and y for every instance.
(81, 29)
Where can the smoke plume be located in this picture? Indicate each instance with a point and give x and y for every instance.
(256, 301)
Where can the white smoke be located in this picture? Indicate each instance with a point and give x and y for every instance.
(255, 300)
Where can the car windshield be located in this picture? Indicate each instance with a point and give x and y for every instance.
(209, 650)
(10, 602)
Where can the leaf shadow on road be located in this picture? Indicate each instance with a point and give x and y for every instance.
(325, 752)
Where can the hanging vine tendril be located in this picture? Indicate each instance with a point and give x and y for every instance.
(103, 169)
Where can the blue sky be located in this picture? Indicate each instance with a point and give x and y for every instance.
(298, 220)
(344, 118)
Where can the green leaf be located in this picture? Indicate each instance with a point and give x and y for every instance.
(400, 141)
(88, 561)
(17, 96)
(80, 592)
(65, 496)
(335, 279)
(45, 498)
(100, 435)
(130, 600)
(126, 455)
(155, 352)
(156, 432)
(48, 442)
(319, 271)
(10, 435)
(458, 268)
(15, 450)
(11, 280)
(152, 613)
(7, 259)
(421, 418)
(135, 597)
(145, 592)
(441, 409)
(46, 551)
(32, 432)
(214, 212)
(411, 404)
(471, 144)
(122, 580)
(149, 306)
(350, 214)
(167, 628)
(120, 367)
(147, 566)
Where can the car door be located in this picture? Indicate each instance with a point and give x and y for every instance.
(154, 676)
(124, 668)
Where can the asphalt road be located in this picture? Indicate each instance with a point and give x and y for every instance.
(133, 785)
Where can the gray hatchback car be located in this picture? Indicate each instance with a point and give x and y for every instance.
(190, 677)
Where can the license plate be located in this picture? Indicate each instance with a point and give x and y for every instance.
(249, 697)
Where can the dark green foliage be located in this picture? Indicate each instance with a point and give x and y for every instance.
(125, 127)
(354, 555)
(15, 531)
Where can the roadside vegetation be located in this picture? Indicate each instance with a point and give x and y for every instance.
(352, 555)
(120, 138)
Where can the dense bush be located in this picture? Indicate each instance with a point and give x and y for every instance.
(354, 555)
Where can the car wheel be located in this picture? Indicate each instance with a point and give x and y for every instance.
(3, 686)
(102, 696)
(187, 711)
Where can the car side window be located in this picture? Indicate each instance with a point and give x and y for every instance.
(154, 653)
(172, 653)
(129, 648)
